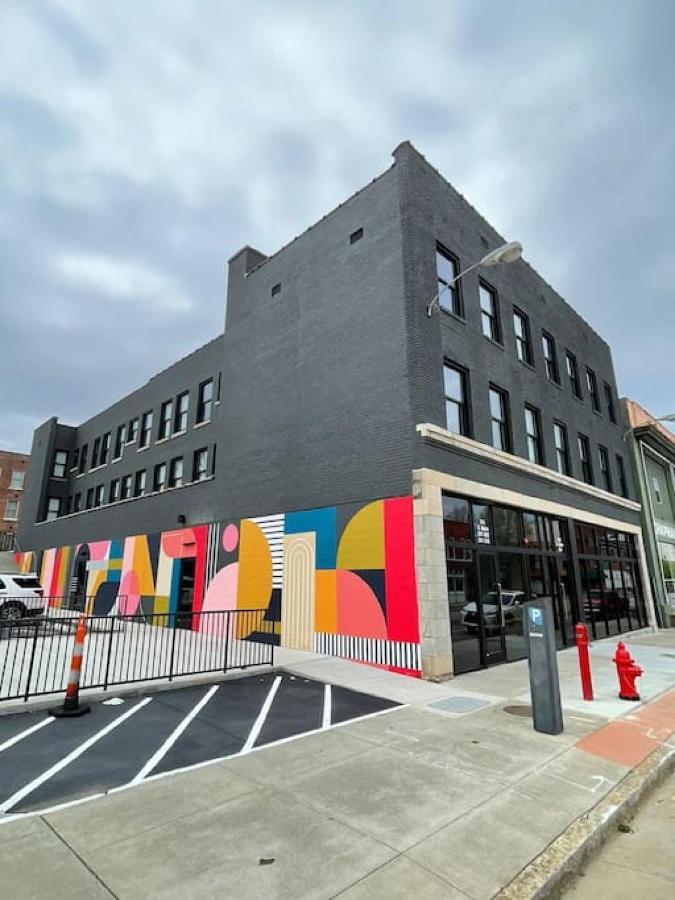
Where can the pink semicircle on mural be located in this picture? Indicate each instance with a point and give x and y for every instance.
(129, 594)
(230, 538)
(221, 595)
(358, 612)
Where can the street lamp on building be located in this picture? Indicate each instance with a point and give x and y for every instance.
(507, 253)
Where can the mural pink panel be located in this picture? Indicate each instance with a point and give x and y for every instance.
(358, 612)
(399, 578)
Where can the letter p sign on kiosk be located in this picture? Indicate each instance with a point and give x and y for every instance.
(543, 666)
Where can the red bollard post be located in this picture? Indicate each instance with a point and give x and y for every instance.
(581, 634)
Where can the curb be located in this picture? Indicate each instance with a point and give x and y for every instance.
(550, 872)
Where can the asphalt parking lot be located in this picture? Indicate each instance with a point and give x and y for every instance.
(46, 762)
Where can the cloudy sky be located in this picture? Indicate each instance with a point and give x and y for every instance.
(142, 142)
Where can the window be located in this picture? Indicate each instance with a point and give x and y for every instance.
(114, 493)
(159, 478)
(105, 448)
(95, 453)
(126, 487)
(77, 502)
(585, 456)
(609, 399)
(90, 498)
(573, 373)
(521, 326)
(69, 505)
(449, 291)
(455, 382)
(146, 430)
(176, 472)
(621, 469)
(139, 483)
(550, 357)
(501, 437)
(356, 236)
(592, 384)
(200, 464)
(17, 480)
(562, 452)
(213, 461)
(12, 510)
(83, 458)
(605, 474)
(132, 433)
(182, 406)
(98, 495)
(204, 402)
(535, 450)
(53, 508)
(120, 435)
(165, 419)
(656, 484)
(76, 458)
(276, 289)
(489, 312)
(59, 467)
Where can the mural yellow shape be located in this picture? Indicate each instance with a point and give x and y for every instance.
(254, 584)
(362, 541)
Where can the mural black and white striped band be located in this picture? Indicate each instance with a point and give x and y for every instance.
(374, 650)
(212, 550)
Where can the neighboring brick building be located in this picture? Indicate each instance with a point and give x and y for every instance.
(360, 471)
(12, 483)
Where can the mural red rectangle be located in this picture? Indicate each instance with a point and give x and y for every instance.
(400, 584)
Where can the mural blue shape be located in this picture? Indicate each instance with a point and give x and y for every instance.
(323, 522)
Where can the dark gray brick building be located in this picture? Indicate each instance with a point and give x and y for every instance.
(440, 469)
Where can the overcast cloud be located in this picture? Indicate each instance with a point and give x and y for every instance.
(142, 143)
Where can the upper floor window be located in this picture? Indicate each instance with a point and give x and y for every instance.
(90, 498)
(182, 406)
(449, 290)
(535, 450)
(98, 495)
(623, 482)
(105, 448)
(139, 483)
(77, 502)
(76, 458)
(53, 508)
(83, 458)
(592, 384)
(455, 382)
(114, 493)
(205, 401)
(605, 473)
(176, 472)
(132, 433)
(200, 464)
(12, 510)
(60, 462)
(126, 487)
(521, 326)
(573, 373)
(165, 419)
(585, 456)
(120, 435)
(95, 453)
(146, 429)
(656, 485)
(550, 357)
(499, 415)
(17, 480)
(489, 312)
(562, 452)
(609, 399)
(159, 479)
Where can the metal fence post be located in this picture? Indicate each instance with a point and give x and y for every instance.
(113, 619)
(227, 638)
(173, 647)
(30, 665)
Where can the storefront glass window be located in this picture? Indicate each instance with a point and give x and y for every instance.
(531, 537)
(506, 526)
(482, 532)
(456, 521)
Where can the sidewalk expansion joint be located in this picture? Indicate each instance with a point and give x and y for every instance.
(77, 856)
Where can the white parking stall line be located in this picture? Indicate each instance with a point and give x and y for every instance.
(262, 715)
(173, 737)
(327, 706)
(71, 757)
(24, 734)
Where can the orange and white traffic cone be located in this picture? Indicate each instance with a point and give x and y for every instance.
(71, 705)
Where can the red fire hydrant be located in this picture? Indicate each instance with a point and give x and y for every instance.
(627, 670)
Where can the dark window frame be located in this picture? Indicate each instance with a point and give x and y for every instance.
(180, 419)
(114, 490)
(584, 446)
(157, 483)
(140, 483)
(132, 430)
(623, 479)
(605, 471)
(204, 404)
(503, 424)
(120, 438)
(550, 360)
(572, 369)
(609, 400)
(493, 317)
(536, 438)
(524, 341)
(592, 386)
(562, 453)
(199, 473)
(145, 429)
(83, 459)
(95, 454)
(59, 469)
(165, 424)
(175, 480)
(444, 288)
(464, 403)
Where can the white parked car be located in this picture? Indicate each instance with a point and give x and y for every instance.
(511, 605)
(21, 595)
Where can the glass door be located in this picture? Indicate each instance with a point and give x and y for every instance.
(490, 611)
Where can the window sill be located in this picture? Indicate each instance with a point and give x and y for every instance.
(98, 468)
(179, 433)
(116, 459)
(141, 449)
(163, 440)
(202, 424)
(597, 413)
(493, 342)
(527, 365)
(453, 315)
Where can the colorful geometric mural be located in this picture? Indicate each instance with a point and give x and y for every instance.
(337, 580)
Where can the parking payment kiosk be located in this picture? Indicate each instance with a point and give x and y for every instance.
(543, 666)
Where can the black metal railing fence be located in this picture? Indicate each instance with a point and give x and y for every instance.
(35, 653)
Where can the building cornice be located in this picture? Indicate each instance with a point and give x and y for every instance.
(471, 447)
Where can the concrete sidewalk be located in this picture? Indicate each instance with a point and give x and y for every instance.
(450, 796)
